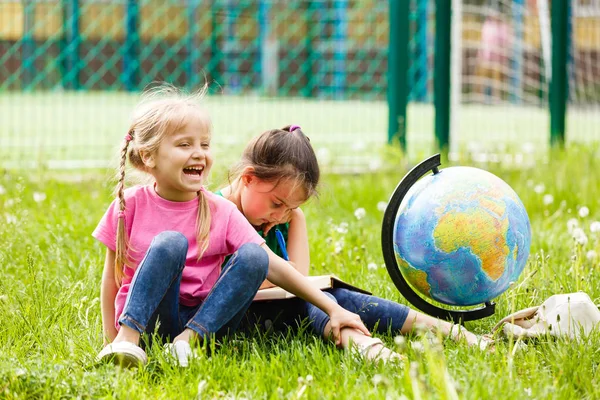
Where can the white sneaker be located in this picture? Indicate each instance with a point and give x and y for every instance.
(181, 351)
(125, 354)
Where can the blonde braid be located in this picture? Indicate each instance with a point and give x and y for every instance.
(122, 241)
(202, 224)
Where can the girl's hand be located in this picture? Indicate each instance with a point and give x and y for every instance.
(341, 318)
(267, 227)
(287, 218)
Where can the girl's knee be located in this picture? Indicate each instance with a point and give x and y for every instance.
(255, 259)
(171, 245)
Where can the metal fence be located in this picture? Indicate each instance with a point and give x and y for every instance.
(70, 71)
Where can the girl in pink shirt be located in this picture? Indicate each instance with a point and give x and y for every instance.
(166, 242)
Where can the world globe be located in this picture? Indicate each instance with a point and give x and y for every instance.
(461, 236)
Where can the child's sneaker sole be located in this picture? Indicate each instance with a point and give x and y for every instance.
(124, 354)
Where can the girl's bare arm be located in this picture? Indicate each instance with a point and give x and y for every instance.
(285, 276)
(297, 244)
(108, 292)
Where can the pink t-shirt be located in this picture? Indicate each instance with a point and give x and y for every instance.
(147, 214)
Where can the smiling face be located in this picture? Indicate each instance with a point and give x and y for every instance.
(265, 202)
(182, 161)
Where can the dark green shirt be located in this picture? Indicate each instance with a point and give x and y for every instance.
(271, 238)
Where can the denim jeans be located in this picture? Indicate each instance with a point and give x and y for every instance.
(279, 315)
(154, 292)
(376, 313)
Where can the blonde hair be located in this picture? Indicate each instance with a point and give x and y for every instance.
(162, 111)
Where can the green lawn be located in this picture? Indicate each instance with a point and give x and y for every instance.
(50, 327)
(81, 130)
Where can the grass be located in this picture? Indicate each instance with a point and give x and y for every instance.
(50, 327)
(83, 129)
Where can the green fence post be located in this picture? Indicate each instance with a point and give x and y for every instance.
(28, 45)
(131, 63)
(516, 90)
(215, 55)
(559, 84)
(397, 71)
(420, 65)
(441, 79)
(70, 60)
(307, 67)
(192, 62)
(264, 32)
(340, 39)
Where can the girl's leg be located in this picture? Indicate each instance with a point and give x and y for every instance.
(376, 313)
(154, 291)
(388, 315)
(368, 347)
(232, 294)
(456, 332)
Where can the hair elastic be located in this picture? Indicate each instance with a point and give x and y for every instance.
(294, 127)
(128, 137)
(121, 215)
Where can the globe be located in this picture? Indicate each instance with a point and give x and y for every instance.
(461, 236)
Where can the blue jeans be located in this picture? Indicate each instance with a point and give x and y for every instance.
(154, 292)
(278, 315)
(376, 313)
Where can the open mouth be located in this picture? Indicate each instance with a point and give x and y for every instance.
(193, 171)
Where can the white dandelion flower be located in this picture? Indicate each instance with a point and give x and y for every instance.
(38, 197)
(201, 386)
(400, 340)
(572, 224)
(539, 188)
(339, 246)
(591, 255)
(377, 379)
(579, 236)
(2, 190)
(417, 347)
(372, 266)
(584, 212)
(381, 206)
(548, 199)
(360, 213)
(595, 227)
(342, 228)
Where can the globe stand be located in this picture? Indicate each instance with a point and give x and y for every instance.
(387, 244)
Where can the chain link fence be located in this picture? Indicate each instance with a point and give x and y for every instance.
(71, 70)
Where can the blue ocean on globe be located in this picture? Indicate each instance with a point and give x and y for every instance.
(461, 236)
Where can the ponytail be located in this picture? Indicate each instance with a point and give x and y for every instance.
(203, 224)
(122, 241)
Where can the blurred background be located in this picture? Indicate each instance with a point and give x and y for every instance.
(71, 71)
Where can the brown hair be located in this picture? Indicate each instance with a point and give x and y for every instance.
(279, 154)
(162, 111)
